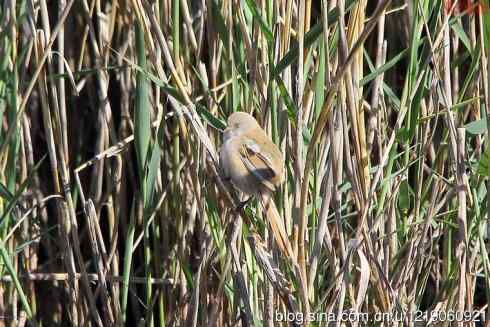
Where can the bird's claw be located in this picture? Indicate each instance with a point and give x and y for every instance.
(243, 204)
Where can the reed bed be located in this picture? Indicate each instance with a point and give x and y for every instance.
(113, 207)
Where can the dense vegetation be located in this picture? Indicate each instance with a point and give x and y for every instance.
(113, 209)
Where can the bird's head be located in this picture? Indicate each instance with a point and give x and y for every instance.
(240, 122)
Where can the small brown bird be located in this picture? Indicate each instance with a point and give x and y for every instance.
(255, 166)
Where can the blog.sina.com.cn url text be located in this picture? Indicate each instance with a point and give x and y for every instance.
(364, 317)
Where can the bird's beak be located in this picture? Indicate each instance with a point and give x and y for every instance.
(227, 133)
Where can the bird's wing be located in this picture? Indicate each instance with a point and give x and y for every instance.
(257, 163)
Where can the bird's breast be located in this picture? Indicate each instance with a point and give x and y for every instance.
(234, 167)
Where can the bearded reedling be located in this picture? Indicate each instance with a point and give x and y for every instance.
(255, 166)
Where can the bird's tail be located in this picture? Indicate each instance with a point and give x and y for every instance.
(277, 226)
(282, 240)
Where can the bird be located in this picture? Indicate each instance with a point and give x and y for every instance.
(255, 166)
